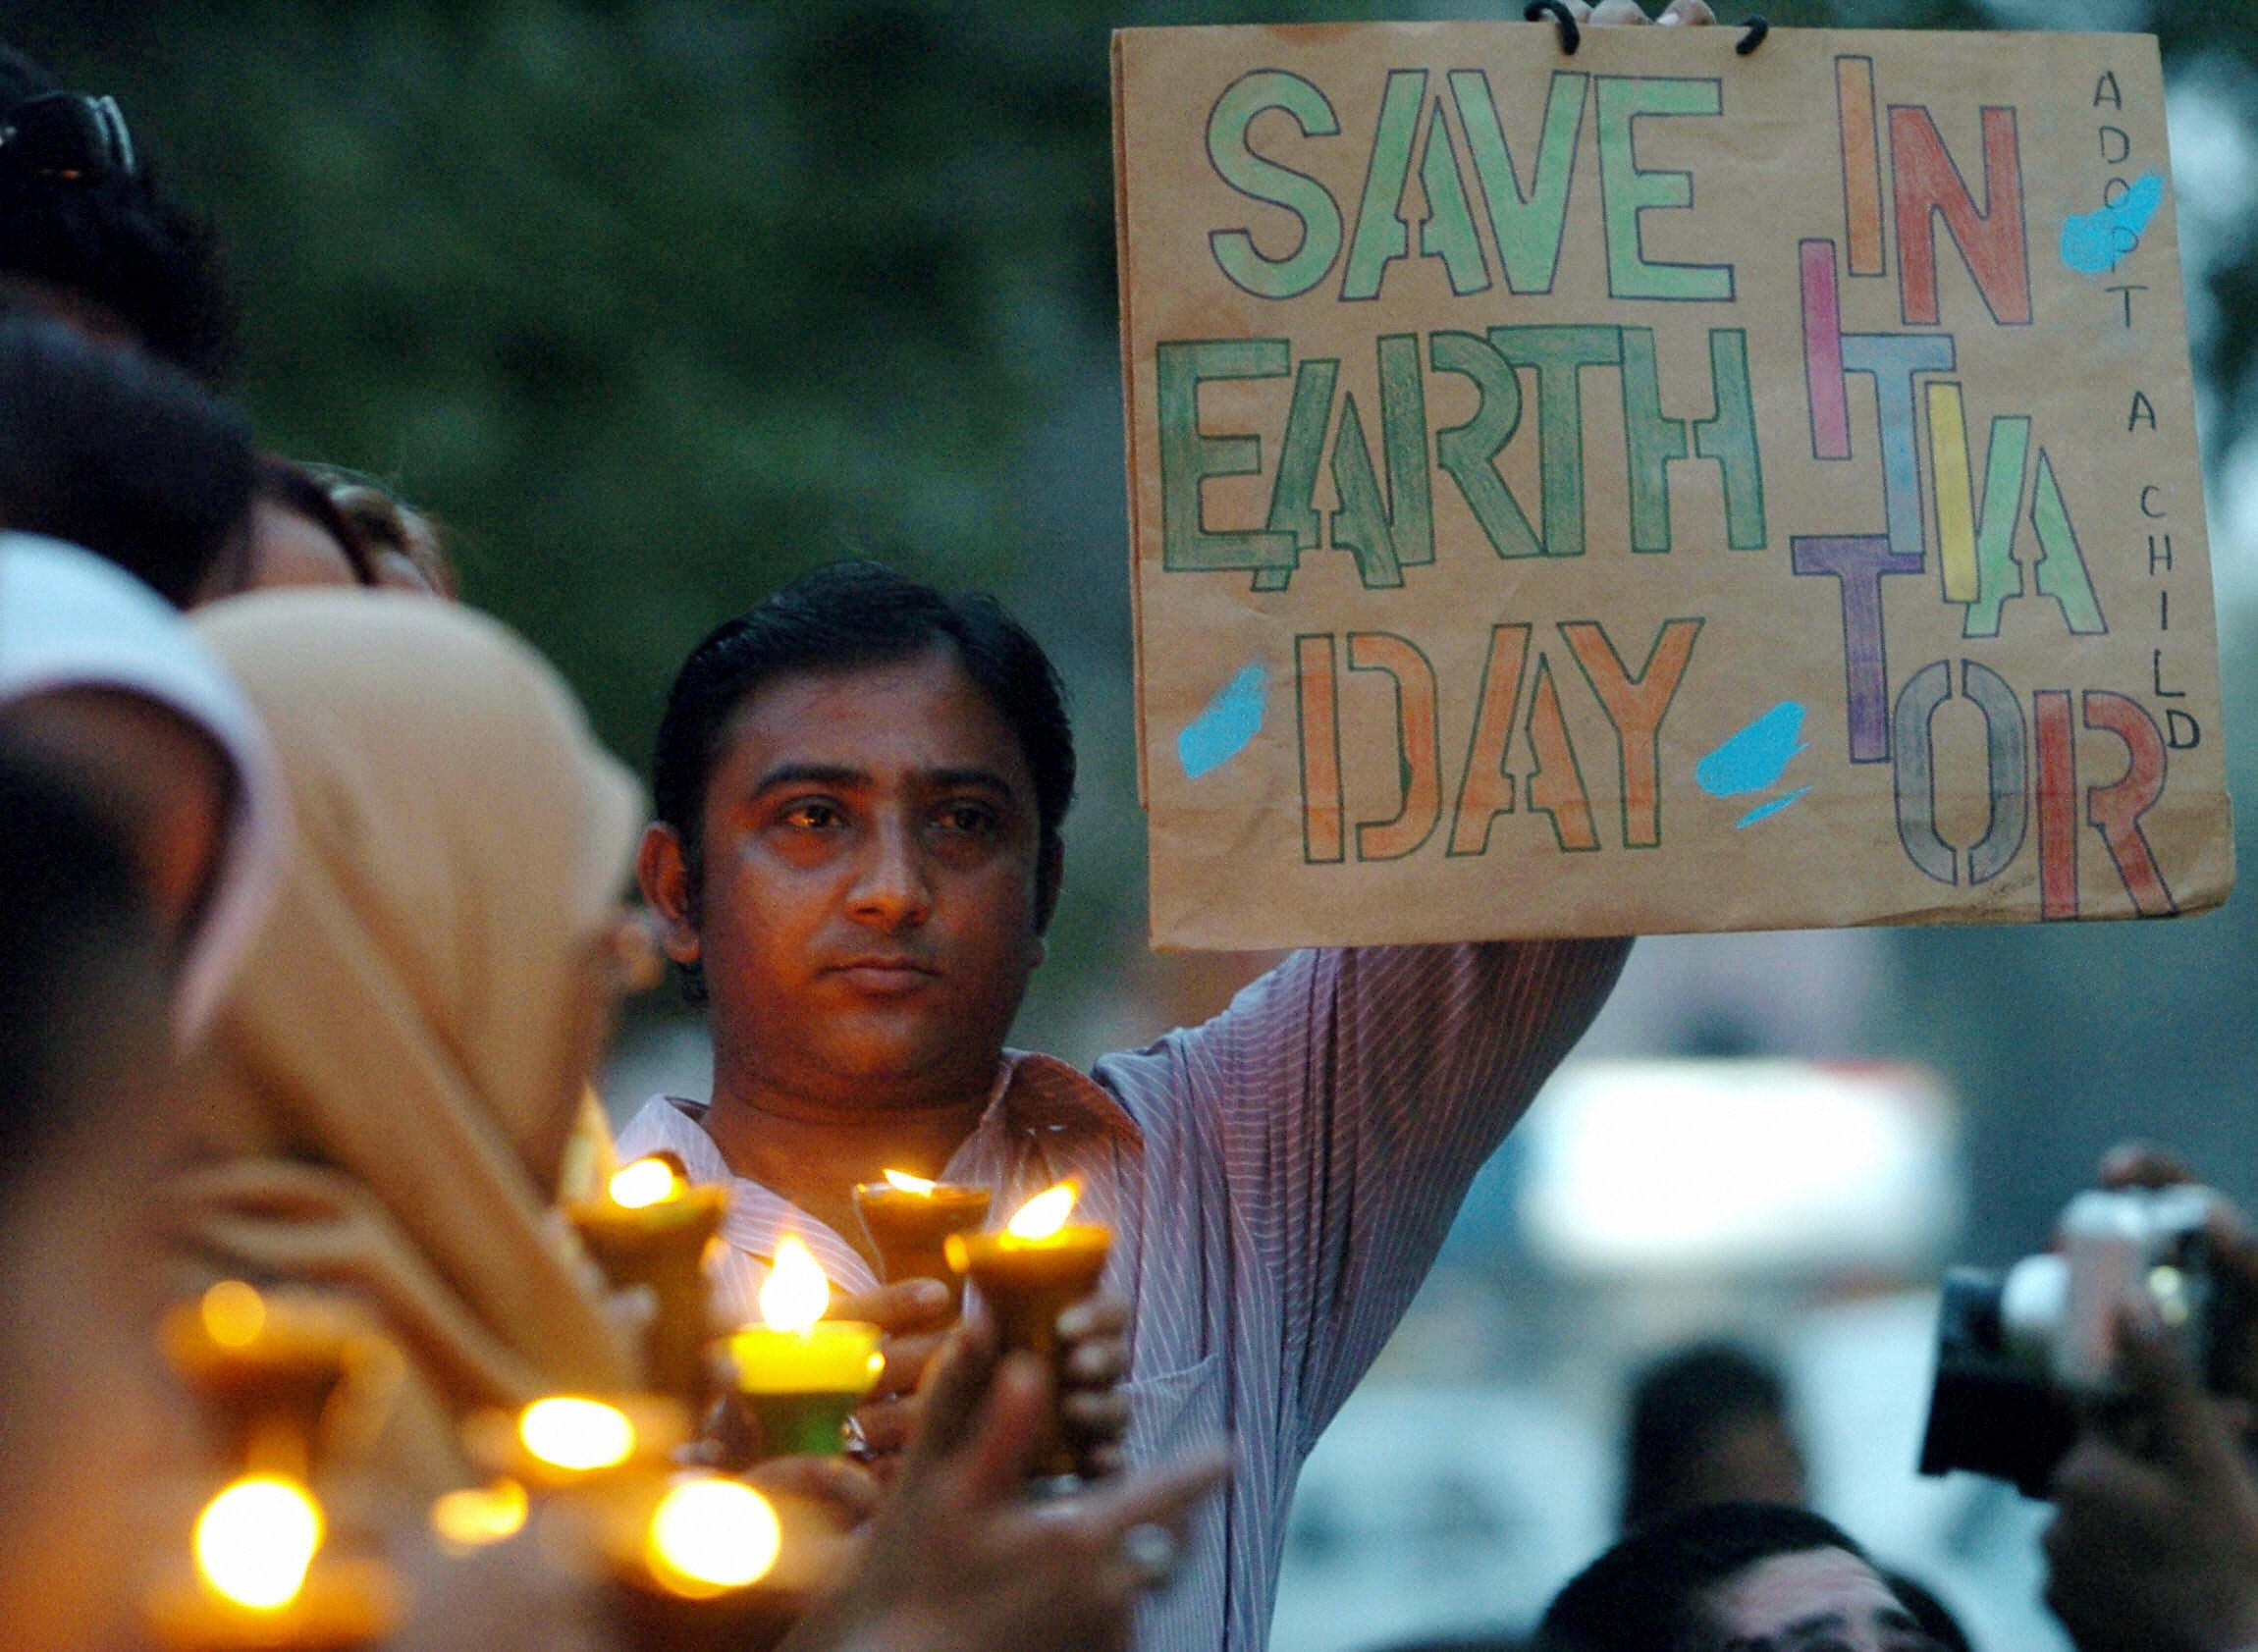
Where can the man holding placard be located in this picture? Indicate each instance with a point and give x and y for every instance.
(860, 787)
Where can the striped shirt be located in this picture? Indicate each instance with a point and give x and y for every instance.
(1277, 1180)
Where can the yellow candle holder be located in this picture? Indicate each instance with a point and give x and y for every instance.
(800, 1385)
(1027, 1283)
(345, 1601)
(659, 1243)
(273, 1369)
(909, 1223)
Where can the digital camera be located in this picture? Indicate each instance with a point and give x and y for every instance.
(2017, 1353)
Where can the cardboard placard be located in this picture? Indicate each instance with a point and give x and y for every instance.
(1659, 488)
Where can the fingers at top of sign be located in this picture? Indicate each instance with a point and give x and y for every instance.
(1565, 13)
(1609, 13)
(2138, 1164)
(1686, 13)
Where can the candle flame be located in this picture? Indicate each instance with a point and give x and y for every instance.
(912, 1184)
(233, 1314)
(578, 1435)
(796, 1293)
(646, 1182)
(1046, 1213)
(710, 1535)
(255, 1539)
(476, 1516)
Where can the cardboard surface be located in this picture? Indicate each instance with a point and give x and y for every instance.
(1659, 488)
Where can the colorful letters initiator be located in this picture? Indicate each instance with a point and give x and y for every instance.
(1657, 488)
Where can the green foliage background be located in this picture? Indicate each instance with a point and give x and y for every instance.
(657, 303)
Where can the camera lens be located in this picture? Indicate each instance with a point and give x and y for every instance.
(1990, 1412)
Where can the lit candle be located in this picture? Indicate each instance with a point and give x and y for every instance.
(651, 1229)
(261, 1578)
(711, 1534)
(800, 1374)
(566, 1441)
(1028, 1275)
(909, 1220)
(706, 1560)
(476, 1516)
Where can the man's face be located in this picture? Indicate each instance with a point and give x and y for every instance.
(869, 913)
(1820, 1600)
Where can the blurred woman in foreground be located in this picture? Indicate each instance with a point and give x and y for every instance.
(388, 1092)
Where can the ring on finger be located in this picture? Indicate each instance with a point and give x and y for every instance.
(1151, 1552)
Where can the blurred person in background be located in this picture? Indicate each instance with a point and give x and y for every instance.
(109, 686)
(1708, 1423)
(299, 536)
(407, 545)
(123, 456)
(2154, 1542)
(1732, 1577)
(1712, 1422)
(86, 235)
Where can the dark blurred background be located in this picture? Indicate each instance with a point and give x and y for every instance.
(658, 304)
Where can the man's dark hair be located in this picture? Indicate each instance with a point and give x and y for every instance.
(108, 238)
(72, 927)
(838, 618)
(1679, 1406)
(1648, 1593)
(120, 453)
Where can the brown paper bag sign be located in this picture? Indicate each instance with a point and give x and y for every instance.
(1659, 488)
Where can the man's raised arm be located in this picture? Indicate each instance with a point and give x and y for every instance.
(1343, 1103)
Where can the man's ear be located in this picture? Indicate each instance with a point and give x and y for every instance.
(664, 872)
(1049, 874)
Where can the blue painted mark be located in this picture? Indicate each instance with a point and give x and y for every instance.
(1755, 756)
(1219, 733)
(1764, 810)
(2094, 241)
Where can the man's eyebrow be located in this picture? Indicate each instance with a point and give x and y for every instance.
(1792, 1635)
(1809, 1629)
(810, 774)
(1900, 1619)
(987, 777)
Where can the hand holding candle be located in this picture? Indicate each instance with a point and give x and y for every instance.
(800, 1374)
(909, 1220)
(1028, 1275)
(651, 1229)
(271, 1367)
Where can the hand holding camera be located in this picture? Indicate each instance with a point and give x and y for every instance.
(2234, 1256)
(2157, 1551)
(2117, 1374)
(2026, 1357)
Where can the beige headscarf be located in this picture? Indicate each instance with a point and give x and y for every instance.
(395, 1057)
